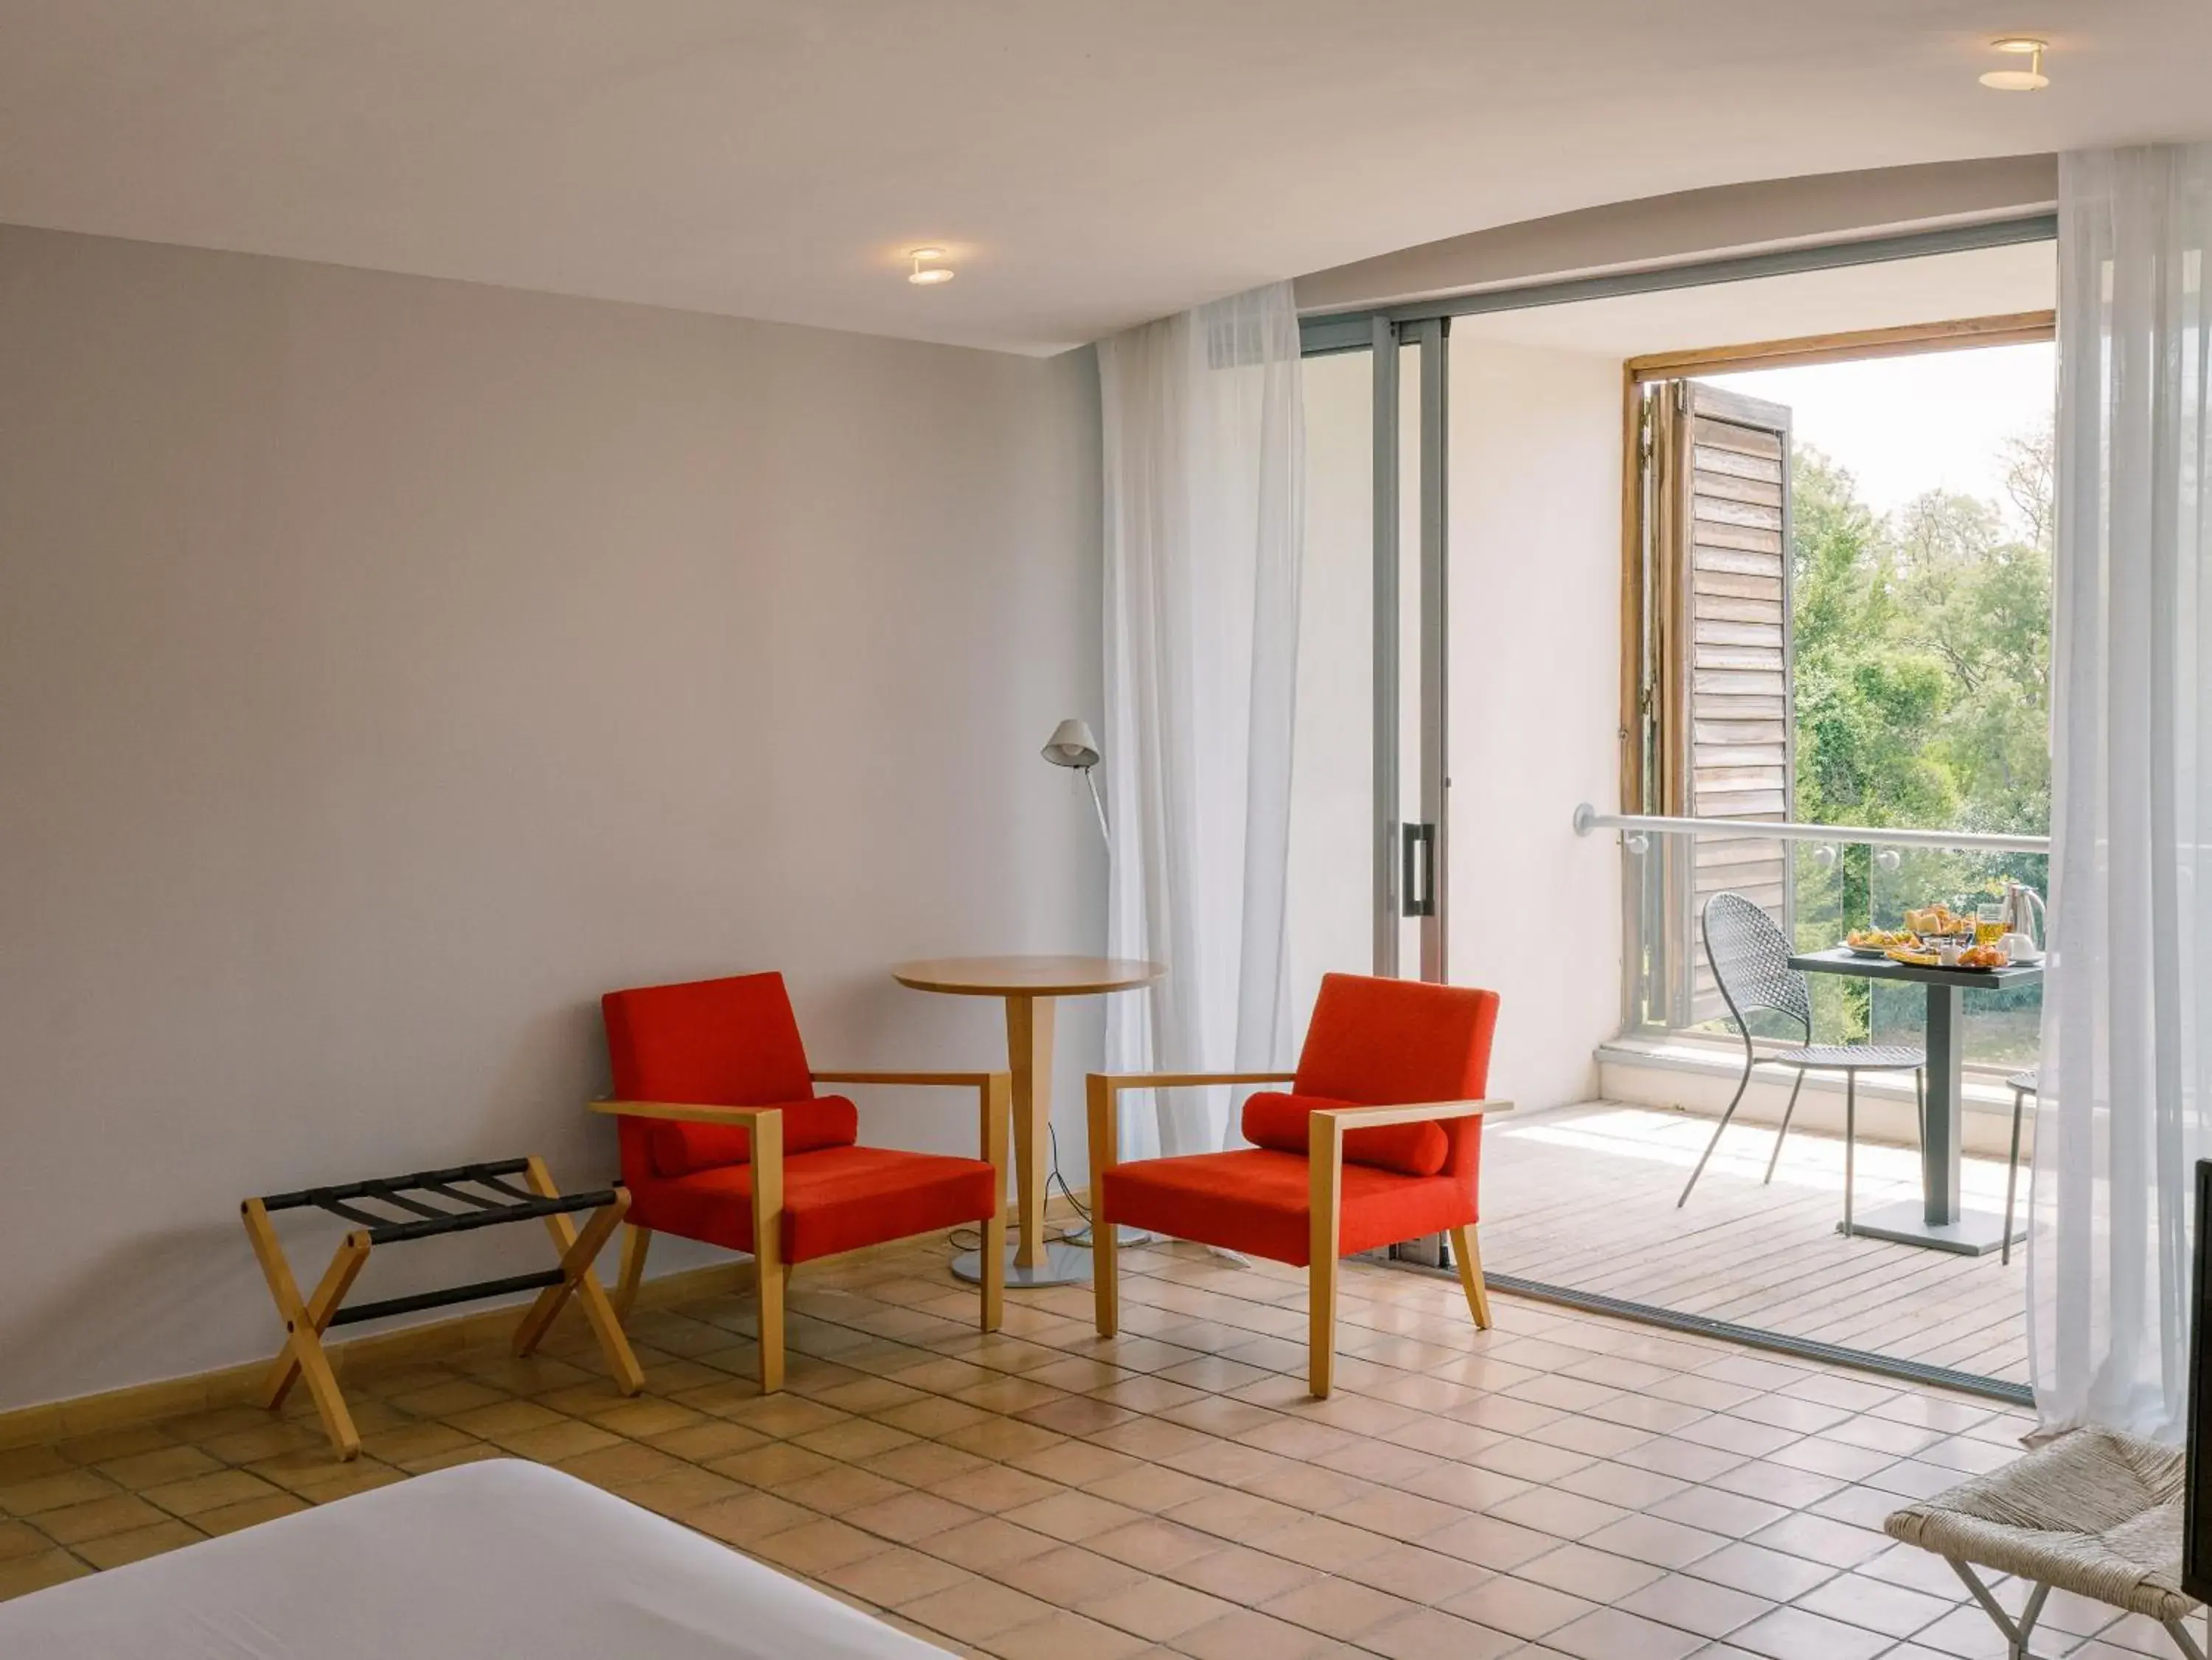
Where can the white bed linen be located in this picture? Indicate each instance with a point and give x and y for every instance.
(495, 1558)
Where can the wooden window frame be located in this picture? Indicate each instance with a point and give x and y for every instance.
(1956, 334)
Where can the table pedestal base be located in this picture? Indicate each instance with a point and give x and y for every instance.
(1976, 1233)
(1063, 1265)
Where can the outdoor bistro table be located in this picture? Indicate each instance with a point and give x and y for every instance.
(1938, 1221)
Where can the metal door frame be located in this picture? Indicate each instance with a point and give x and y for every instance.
(1411, 858)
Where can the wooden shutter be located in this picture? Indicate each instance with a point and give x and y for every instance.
(1740, 715)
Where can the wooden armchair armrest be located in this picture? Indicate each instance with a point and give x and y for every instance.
(744, 1117)
(995, 1102)
(1104, 1090)
(1368, 1117)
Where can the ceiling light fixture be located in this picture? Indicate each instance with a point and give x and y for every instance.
(925, 275)
(2031, 79)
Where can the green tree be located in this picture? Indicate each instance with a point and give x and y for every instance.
(1921, 645)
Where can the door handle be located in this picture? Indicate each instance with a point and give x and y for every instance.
(1417, 886)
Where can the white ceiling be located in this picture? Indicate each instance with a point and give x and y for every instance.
(1939, 288)
(1093, 162)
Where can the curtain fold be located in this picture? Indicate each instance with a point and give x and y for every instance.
(2126, 1099)
(1204, 451)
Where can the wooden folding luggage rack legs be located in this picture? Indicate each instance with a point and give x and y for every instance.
(486, 1199)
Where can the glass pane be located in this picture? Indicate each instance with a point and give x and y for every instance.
(1409, 631)
(1332, 789)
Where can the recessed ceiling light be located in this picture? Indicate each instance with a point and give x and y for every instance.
(925, 275)
(2031, 79)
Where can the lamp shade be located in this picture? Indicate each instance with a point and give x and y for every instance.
(1072, 745)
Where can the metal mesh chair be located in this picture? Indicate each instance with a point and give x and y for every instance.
(1750, 959)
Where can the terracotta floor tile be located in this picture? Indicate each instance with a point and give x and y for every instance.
(1343, 1609)
(226, 1487)
(1611, 1634)
(995, 1489)
(977, 1611)
(69, 1486)
(1071, 1516)
(1418, 1575)
(1582, 1572)
(987, 1544)
(925, 1464)
(1153, 1544)
(751, 1516)
(1237, 1574)
(1158, 1610)
(907, 1516)
(101, 1446)
(112, 1550)
(1521, 1607)
(1458, 1496)
(1795, 1634)
(1071, 1576)
(777, 1464)
(73, 1524)
(894, 1578)
(1696, 1605)
(29, 1573)
(1774, 1573)
(811, 1547)
(1062, 1635)
(844, 1488)
(228, 1519)
(1432, 1634)
(1248, 1635)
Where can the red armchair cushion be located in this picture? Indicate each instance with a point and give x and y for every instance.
(835, 1199)
(1256, 1201)
(1384, 1043)
(1278, 1121)
(731, 1042)
(678, 1149)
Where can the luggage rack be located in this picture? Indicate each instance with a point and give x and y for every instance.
(474, 1196)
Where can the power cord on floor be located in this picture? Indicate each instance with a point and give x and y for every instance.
(968, 1239)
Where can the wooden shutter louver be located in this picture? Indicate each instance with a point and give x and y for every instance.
(1738, 712)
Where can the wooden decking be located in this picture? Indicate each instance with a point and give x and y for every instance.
(1583, 1196)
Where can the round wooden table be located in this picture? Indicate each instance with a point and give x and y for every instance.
(1029, 984)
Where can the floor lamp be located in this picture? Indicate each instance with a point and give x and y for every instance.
(1072, 745)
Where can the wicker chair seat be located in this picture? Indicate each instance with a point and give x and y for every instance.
(2095, 1512)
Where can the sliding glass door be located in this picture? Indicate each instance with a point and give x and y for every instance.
(1370, 806)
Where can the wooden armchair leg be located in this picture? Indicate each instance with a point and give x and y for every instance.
(1105, 1243)
(768, 1245)
(637, 1241)
(1325, 1177)
(1321, 1334)
(995, 1270)
(1470, 1258)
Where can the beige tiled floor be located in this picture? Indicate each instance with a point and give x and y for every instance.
(1559, 1486)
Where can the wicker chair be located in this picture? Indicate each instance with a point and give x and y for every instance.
(1750, 961)
(2094, 1514)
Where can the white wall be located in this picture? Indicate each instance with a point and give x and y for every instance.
(390, 666)
(1534, 910)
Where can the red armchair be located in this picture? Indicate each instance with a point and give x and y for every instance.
(1378, 1140)
(725, 1140)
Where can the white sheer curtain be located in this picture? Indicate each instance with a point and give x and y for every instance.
(1203, 449)
(2127, 1037)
